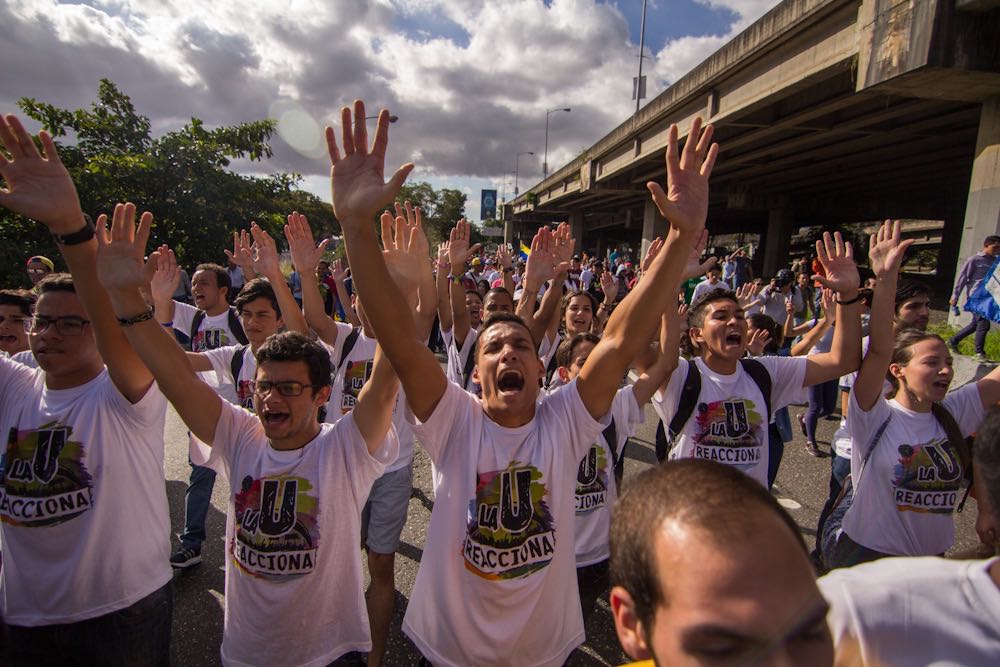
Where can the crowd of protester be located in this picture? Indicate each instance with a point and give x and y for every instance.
(307, 392)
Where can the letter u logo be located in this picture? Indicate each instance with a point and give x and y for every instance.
(587, 473)
(277, 523)
(736, 419)
(515, 512)
(945, 461)
(45, 463)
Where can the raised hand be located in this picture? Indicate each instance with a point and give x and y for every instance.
(357, 175)
(886, 250)
(241, 241)
(263, 254)
(651, 252)
(609, 286)
(694, 267)
(685, 203)
(38, 186)
(458, 246)
(337, 270)
(305, 253)
(400, 255)
(165, 281)
(746, 294)
(121, 249)
(758, 341)
(837, 258)
(443, 256)
(828, 300)
(564, 244)
(412, 217)
(504, 256)
(543, 263)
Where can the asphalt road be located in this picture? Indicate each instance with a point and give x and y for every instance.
(801, 487)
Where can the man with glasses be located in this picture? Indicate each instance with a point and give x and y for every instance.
(38, 268)
(85, 524)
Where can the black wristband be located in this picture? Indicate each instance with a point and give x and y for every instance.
(79, 236)
(141, 317)
(852, 301)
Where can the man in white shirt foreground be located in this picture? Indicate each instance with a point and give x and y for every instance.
(499, 558)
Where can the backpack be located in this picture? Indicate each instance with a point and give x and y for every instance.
(234, 326)
(610, 435)
(689, 399)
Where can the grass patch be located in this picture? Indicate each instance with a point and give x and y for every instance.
(967, 345)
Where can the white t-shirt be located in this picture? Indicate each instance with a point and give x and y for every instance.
(917, 611)
(457, 358)
(293, 570)
(586, 277)
(596, 491)
(83, 504)
(26, 358)
(213, 331)
(903, 502)
(704, 287)
(348, 382)
(547, 350)
(497, 580)
(728, 423)
(236, 391)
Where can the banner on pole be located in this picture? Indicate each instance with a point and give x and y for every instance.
(488, 205)
(985, 299)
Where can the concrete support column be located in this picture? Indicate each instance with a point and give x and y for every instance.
(653, 225)
(982, 212)
(575, 221)
(777, 240)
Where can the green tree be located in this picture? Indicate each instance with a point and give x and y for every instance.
(441, 208)
(183, 177)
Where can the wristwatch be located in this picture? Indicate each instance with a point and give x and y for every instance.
(79, 236)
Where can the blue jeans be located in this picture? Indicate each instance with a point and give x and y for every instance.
(196, 502)
(822, 402)
(981, 326)
(136, 636)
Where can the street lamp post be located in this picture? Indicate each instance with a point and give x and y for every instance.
(392, 119)
(545, 160)
(517, 163)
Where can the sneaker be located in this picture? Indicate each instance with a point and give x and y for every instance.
(802, 422)
(185, 557)
(981, 358)
(952, 347)
(812, 449)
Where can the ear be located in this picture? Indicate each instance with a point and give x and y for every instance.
(475, 371)
(896, 370)
(563, 374)
(694, 333)
(322, 396)
(631, 634)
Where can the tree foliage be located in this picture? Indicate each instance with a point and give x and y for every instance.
(441, 209)
(182, 177)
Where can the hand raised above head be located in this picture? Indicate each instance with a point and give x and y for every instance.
(38, 185)
(886, 249)
(357, 175)
(121, 264)
(305, 253)
(459, 249)
(685, 203)
(837, 258)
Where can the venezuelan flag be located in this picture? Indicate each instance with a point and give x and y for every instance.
(525, 252)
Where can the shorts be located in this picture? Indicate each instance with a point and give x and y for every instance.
(384, 515)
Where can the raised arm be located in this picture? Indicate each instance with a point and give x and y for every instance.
(816, 330)
(458, 254)
(411, 217)
(39, 187)
(122, 271)
(240, 257)
(505, 261)
(658, 373)
(263, 260)
(339, 274)
(543, 266)
(305, 256)
(359, 192)
(442, 284)
(373, 411)
(885, 252)
(685, 206)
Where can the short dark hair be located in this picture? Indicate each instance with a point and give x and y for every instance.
(56, 282)
(498, 291)
(500, 318)
(910, 289)
(258, 288)
(766, 322)
(22, 298)
(991, 239)
(474, 293)
(986, 454)
(569, 296)
(221, 274)
(713, 498)
(564, 355)
(696, 315)
(293, 346)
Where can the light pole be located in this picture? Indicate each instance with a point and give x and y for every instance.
(517, 163)
(545, 160)
(392, 119)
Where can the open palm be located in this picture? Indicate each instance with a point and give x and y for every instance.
(837, 258)
(305, 253)
(121, 250)
(685, 202)
(886, 249)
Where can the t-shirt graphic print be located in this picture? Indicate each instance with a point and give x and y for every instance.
(729, 431)
(511, 533)
(277, 534)
(356, 374)
(592, 480)
(927, 478)
(43, 480)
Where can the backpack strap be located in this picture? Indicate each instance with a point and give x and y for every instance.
(961, 445)
(236, 327)
(610, 435)
(236, 364)
(349, 342)
(470, 361)
(552, 366)
(199, 317)
(686, 404)
(758, 373)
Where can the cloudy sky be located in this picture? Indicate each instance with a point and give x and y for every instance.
(470, 80)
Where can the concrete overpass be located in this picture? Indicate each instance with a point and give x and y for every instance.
(827, 112)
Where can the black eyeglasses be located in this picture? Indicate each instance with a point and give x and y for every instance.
(285, 388)
(70, 325)
(38, 272)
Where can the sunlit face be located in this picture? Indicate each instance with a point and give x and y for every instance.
(580, 355)
(259, 320)
(37, 271)
(474, 303)
(713, 276)
(13, 338)
(206, 291)
(579, 315)
(803, 280)
(498, 302)
(508, 369)
(993, 249)
(914, 313)
(723, 331)
(68, 359)
(288, 419)
(753, 601)
(929, 371)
